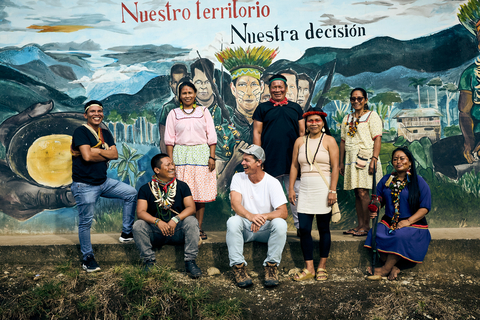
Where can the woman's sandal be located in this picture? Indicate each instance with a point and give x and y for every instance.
(360, 233)
(351, 231)
(304, 275)
(321, 275)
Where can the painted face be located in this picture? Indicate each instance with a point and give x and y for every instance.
(250, 165)
(204, 87)
(400, 161)
(187, 96)
(292, 91)
(303, 92)
(278, 90)
(265, 95)
(247, 92)
(174, 82)
(166, 171)
(314, 123)
(94, 116)
(357, 100)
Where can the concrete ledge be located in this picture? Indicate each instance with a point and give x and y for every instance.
(451, 250)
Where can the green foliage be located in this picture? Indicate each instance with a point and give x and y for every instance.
(67, 269)
(127, 166)
(91, 305)
(223, 309)
(469, 15)
(114, 116)
(387, 98)
(452, 131)
(109, 218)
(417, 82)
(470, 182)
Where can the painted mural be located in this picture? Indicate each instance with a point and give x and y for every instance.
(417, 59)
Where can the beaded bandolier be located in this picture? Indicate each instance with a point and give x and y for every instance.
(164, 194)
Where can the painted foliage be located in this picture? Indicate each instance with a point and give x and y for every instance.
(417, 59)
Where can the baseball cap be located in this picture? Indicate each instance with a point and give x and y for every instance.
(254, 150)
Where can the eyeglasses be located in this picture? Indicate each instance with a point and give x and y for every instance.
(314, 121)
(359, 99)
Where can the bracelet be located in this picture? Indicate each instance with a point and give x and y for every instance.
(213, 158)
(176, 219)
(374, 158)
(332, 191)
(156, 221)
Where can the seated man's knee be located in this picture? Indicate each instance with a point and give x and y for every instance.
(140, 225)
(235, 223)
(190, 222)
(279, 224)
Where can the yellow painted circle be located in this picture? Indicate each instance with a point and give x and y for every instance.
(49, 161)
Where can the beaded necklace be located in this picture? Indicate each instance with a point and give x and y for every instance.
(164, 194)
(182, 108)
(315, 155)
(353, 124)
(396, 186)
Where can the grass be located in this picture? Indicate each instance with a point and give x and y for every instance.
(122, 292)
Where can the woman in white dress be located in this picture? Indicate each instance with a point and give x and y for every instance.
(317, 150)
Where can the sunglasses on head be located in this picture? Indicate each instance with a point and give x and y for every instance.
(353, 99)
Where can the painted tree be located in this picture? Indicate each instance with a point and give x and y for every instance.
(340, 97)
(388, 99)
(127, 165)
(417, 82)
(451, 90)
(435, 83)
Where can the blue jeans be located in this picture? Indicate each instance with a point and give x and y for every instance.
(147, 235)
(273, 232)
(86, 195)
(285, 182)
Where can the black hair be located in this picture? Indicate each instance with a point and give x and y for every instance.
(198, 64)
(364, 94)
(156, 161)
(413, 187)
(89, 103)
(178, 68)
(325, 124)
(276, 76)
(185, 83)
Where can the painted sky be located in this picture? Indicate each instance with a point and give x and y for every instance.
(45, 21)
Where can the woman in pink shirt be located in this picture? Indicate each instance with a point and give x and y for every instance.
(190, 139)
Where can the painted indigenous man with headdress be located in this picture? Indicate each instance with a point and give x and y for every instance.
(469, 86)
(246, 68)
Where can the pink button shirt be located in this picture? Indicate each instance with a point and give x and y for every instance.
(190, 129)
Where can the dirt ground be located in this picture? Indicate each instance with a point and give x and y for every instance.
(345, 295)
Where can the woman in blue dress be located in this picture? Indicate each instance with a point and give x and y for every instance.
(402, 233)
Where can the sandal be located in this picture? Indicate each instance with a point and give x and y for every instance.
(351, 231)
(321, 275)
(302, 276)
(360, 233)
(203, 235)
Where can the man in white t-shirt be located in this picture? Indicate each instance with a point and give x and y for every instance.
(260, 206)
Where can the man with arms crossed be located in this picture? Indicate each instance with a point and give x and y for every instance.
(260, 206)
(277, 124)
(166, 215)
(92, 148)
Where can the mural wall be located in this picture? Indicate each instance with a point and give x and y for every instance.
(416, 58)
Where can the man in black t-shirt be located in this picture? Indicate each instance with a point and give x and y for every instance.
(92, 148)
(277, 124)
(166, 215)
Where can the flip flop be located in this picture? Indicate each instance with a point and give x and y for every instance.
(302, 276)
(321, 275)
(351, 231)
(360, 233)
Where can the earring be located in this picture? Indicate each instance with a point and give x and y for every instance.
(323, 129)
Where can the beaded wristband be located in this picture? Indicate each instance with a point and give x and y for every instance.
(176, 220)
(156, 221)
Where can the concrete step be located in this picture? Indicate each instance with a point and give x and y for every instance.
(451, 250)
